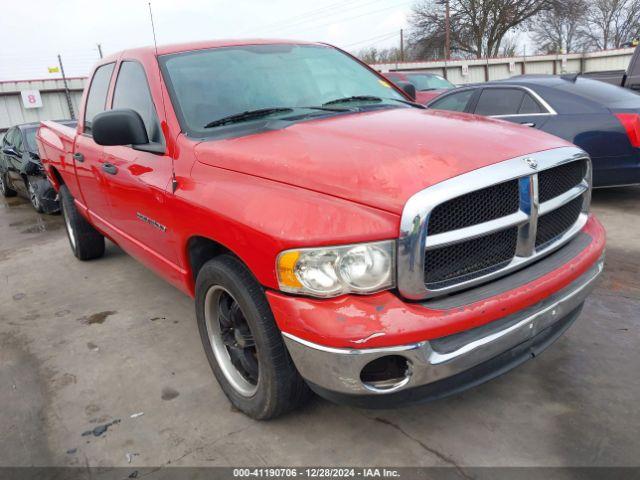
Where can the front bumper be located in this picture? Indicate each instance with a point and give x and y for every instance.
(448, 364)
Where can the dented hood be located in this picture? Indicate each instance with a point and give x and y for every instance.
(376, 158)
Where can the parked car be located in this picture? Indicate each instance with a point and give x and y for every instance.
(629, 78)
(428, 85)
(335, 236)
(601, 119)
(21, 170)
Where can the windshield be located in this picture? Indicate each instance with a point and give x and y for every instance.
(429, 82)
(30, 135)
(209, 85)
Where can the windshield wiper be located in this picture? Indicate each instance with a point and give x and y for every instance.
(353, 98)
(248, 115)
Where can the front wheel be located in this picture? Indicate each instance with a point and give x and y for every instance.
(5, 190)
(34, 197)
(242, 342)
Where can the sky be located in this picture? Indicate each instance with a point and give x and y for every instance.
(34, 32)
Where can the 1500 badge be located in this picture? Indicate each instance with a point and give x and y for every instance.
(151, 222)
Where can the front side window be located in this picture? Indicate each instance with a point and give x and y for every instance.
(30, 137)
(209, 85)
(499, 101)
(97, 97)
(455, 102)
(132, 91)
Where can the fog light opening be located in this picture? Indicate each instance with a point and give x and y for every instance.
(386, 374)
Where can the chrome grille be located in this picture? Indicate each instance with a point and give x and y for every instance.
(518, 211)
(476, 207)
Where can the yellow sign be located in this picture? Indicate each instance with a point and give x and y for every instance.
(53, 69)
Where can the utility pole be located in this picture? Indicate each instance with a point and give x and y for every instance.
(447, 32)
(401, 45)
(100, 50)
(67, 93)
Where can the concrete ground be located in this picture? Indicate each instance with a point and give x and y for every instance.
(85, 344)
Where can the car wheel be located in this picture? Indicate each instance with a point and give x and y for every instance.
(242, 342)
(85, 241)
(5, 190)
(34, 197)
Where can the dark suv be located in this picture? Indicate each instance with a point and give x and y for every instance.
(21, 170)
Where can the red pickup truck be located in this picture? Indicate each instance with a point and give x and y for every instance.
(335, 235)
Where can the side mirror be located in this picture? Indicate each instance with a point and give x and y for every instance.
(10, 151)
(119, 127)
(408, 88)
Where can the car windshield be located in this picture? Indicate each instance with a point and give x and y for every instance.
(429, 82)
(30, 135)
(606, 94)
(209, 85)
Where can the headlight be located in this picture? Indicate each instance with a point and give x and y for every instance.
(332, 271)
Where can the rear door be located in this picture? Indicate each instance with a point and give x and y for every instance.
(141, 181)
(88, 155)
(517, 105)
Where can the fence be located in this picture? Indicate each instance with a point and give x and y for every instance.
(462, 72)
(26, 101)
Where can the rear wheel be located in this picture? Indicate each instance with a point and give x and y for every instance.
(85, 241)
(5, 190)
(242, 342)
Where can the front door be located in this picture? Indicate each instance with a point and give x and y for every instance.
(140, 182)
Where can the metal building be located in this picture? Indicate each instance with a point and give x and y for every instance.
(26, 101)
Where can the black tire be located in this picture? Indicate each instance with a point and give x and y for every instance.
(279, 387)
(85, 241)
(5, 190)
(34, 197)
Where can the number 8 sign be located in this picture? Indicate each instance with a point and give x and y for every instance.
(31, 98)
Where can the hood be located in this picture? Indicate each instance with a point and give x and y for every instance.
(376, 158)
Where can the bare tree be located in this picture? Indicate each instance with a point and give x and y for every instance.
(612, 23)
(561, 27)
(478, 27)
(385, 55)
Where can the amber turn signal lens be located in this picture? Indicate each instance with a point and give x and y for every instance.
(286, 269)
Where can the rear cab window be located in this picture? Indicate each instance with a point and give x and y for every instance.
(97, 96)
(605, 94)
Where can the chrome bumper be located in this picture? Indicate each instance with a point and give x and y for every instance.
(338, 369)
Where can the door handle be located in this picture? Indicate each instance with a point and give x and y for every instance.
(528, 124)
(78, 157)
(110, 168)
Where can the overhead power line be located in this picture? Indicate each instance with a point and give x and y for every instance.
(376, 39)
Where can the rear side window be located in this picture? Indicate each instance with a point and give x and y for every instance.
(132, 91)
(529, 106)
(456, 102)
(97, 97)
(499, 101)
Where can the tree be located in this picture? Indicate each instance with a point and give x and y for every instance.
(561, 27)
(478, 27)
(386, 55)
(612, 23)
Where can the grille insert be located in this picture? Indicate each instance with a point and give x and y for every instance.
(556, 181)
(473, 258)
(557, 222)
(476, 207)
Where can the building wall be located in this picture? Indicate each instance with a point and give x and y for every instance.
(54, 102)
(497, 68)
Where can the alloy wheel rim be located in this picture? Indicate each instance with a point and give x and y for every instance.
(33, 196)
(231, 340)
